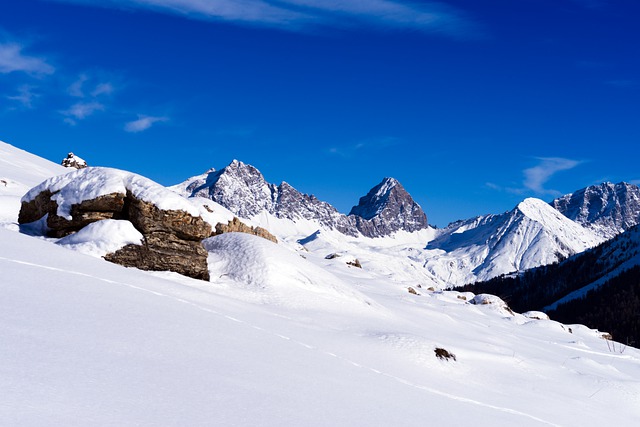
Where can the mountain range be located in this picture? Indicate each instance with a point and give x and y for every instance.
(534, 233)
(242, 189)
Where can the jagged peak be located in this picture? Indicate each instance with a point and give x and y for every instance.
(377, 198)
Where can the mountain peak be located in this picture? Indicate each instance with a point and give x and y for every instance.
(378, 198)
(387, 208)
(606, 208)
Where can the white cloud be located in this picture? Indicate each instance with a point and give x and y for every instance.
(300, 14)
(75, 89)
(13, 59)
(536, 177)
(25, 96)
(635, 182)
(102, 89)
(143, 123)
(80, 111)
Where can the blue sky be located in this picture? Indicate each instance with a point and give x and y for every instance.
(472, 105)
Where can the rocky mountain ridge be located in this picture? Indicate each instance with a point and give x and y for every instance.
(242, 189)
(607, 208)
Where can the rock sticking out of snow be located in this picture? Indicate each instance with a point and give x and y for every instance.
(73, 161)
(170, 225)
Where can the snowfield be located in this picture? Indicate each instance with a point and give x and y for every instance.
(281, 336)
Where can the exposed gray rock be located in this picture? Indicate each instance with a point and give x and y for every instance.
(243, 190)
(388, 208)
(608, 209)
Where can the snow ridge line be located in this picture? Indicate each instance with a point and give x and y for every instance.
(300, 343)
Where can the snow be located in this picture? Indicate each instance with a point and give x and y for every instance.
(90, 183)
(285, 337)
(266, 272)
(19, 171)
(102, 237)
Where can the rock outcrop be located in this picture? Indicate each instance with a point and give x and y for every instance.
(172, 233)
(235, 225)
(73, 161)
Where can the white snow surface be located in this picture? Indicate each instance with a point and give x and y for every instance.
(265, 272)
(19, 171)
(92, 182)
(282, 336)
(102, 237)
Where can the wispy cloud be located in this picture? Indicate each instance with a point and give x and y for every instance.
(371, 144)
(75, 89)
(25, 96)
(536, 177)
(78, 89)
(143, 123)
(102, 89)
(12, 59)
(80, 111)
(302, 14)
(635, 182)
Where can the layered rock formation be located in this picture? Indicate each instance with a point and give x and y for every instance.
(171, 227)
(237, 226)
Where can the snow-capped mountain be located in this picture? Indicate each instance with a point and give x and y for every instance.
(608, 209)
(242, 189)
(530, 235)
(386, 209)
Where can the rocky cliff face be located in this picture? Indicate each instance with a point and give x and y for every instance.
(171, 235)
(388, 208)
(243, 190)
(608, 209)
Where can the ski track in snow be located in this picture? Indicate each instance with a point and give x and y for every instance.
(289, 339)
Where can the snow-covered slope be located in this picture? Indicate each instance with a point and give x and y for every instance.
(531, 235)
(284, 336)
(608, 209)
(19, 171)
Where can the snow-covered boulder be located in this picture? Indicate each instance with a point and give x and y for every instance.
(171, 226)
(73, 161)
(494, 302)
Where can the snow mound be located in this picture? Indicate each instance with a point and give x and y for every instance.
(90, 183)
(496, 303)
(271, 274)
(539, 315)
(102, 237)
